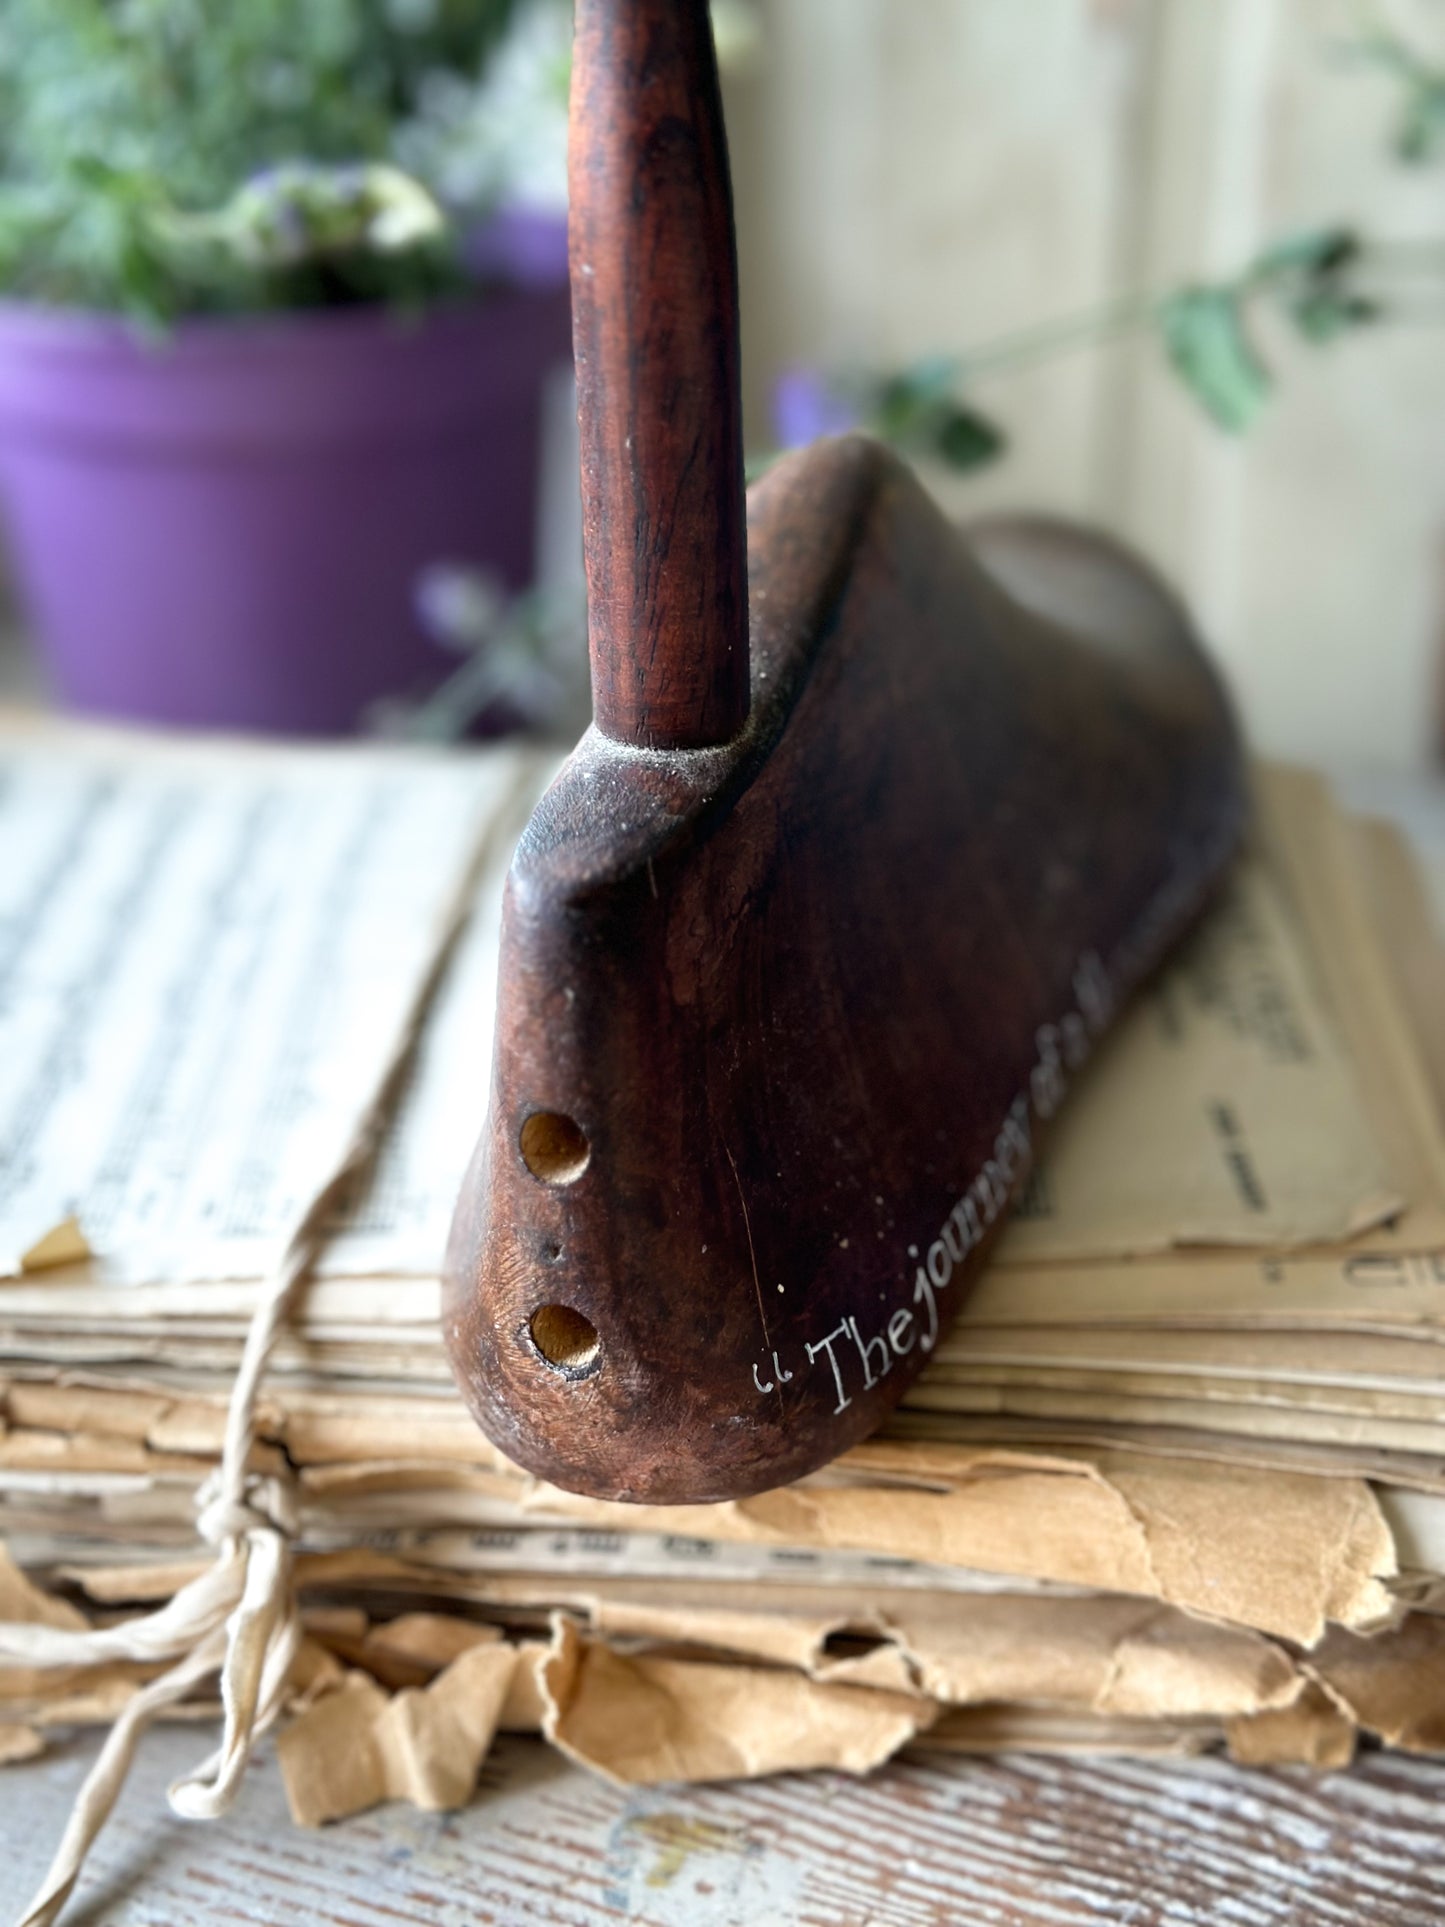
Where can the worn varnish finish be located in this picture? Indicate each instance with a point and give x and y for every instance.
(801, 993)
(923, 1843)
(780, 1017)
(655, 326)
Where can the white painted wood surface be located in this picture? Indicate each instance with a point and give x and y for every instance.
(930, 1842)
(916, 175)
(919, 175)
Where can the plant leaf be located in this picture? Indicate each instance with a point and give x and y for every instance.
(1422, 121)
(908, 400)
(965, 439)
(1324, 313)
(1210, 350)
(1315, 251)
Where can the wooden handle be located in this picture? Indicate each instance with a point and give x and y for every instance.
(655, 327)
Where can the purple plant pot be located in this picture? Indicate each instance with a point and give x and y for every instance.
(227, 527)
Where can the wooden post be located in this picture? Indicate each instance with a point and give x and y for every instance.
(655, 325)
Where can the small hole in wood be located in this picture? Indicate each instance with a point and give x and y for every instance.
(554, 1148)
(566, 1339)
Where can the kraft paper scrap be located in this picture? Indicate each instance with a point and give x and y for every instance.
(1282, 1553)
(643, 1691)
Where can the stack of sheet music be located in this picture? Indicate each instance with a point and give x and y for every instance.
(1175, 1481)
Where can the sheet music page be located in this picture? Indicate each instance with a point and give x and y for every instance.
(1225, 1109)
(206, 952)
(397, 1222)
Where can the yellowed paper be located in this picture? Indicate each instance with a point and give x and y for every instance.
(1280, 1552)
(1095, 1598)
(432, 1640)
(22, 1603)
(1092, 1436)
(1315, 847)
(19, 1743)
(179, 899)
(1224, 1110)
(1115, 1411)
(1403, 1360)
(1400, 909)
(1420, 1405)
(1375, 1288)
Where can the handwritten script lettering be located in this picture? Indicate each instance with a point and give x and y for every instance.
(859, 1358)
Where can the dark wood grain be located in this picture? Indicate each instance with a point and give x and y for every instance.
(655, 325)
(807, 999)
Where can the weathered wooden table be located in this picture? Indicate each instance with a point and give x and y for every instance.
(929, 1842)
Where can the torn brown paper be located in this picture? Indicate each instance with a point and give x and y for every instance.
(1278, 1553)
(642, 1720)
(1033, 1729)
(19, 1743)
(64, 1244)
(28, 1451)
(525, 1707)
(432, 1640)
(1111, 1656)
(357, 1747)
(1105, 1654)
(408, 1651)
(1312, 1731)
(752, 1628)
(1393, 1688)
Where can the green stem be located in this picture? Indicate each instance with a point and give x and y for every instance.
(1129, 312)
(1105, 323)
(1413, 254)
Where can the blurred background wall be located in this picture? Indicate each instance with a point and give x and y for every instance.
(918, 175)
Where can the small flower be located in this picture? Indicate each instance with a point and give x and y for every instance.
(807, 405)
(460, 607)
(304, 210)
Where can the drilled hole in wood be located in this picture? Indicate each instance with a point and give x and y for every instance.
(554, 1147)
(566, 1339)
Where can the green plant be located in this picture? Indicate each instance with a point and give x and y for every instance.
(1322, 284)
(1420, 81)
(148, 148)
